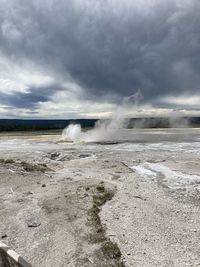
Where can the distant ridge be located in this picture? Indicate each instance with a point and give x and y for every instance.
(40, 125)
(164, 122)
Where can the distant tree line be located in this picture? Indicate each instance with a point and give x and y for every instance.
(40, 125)
(164, 122)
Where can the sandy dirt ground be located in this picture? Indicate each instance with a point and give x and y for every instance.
(128, 203)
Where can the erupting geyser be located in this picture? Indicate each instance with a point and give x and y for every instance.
(104, 130)
(72, 133)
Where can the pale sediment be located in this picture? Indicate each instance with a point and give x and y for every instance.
(57, 206)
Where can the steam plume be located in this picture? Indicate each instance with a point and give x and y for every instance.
(105, 129)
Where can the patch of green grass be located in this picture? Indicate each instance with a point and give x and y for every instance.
(101, 198)
(98, 233)
(94, 215)
(100, 188)
(111, 250)
(111, 254)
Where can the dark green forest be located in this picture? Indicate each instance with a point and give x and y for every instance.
(40, 125)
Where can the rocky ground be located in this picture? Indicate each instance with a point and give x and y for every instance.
(123, 204)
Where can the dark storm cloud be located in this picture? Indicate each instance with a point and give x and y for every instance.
(107, 47)
(29, 99)
(22, 100)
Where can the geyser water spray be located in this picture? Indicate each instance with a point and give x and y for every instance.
(72, 133)
(104, 129)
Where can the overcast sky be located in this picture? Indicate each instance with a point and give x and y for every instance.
(80, 58)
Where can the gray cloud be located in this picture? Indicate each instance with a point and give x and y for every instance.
(29, 99)
(106, 47)
(22, 100)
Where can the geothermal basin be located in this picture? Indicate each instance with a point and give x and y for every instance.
(125, 198)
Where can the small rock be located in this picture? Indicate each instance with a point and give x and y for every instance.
(34, 224)
(54, 155)
(4, 236)
(44, 185)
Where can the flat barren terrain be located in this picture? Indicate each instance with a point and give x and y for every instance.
(132, 200)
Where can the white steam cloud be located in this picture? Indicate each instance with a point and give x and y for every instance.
(72, 132)
(104, 129)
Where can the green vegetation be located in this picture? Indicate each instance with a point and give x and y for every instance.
(102, 196)
(98, 232)
(7, 161)
(100, 188)
(110, 251)
(41, 125)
